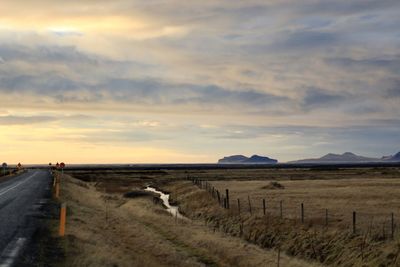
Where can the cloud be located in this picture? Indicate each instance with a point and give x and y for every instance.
(326, 66)
(37, 119)
(305, 39)
(333, 7)
(318, 98)
(393, 92)
(90, 79)
(36, 54)
(372, 64)
(22, 120)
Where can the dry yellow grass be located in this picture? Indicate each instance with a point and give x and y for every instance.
(107, 230)
(373, 199)
(370, 191)
(334, 245)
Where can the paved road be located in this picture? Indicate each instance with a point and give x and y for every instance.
(20, 198)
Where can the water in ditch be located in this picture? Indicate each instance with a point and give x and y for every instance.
(173, 210)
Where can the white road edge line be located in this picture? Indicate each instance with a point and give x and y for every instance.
(12, 187)
(11, 253)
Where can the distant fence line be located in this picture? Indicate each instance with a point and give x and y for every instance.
(326, 220)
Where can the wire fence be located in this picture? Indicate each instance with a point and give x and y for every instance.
(357, 222)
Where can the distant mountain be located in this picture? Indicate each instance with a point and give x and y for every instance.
(240, 159)
(396, 157)
(346, 157)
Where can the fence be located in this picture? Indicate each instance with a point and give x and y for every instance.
(356, 222)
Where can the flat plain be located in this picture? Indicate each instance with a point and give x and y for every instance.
(109, 224)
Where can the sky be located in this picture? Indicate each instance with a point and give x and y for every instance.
(154, 81)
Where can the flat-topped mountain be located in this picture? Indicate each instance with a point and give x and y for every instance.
(346, 157)
(240, 159)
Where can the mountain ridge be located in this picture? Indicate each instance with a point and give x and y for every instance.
(240, 159)
(347, 157)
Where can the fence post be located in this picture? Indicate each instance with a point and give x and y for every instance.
(238, 201)
(392, 225)
(225, 203)
(264, 206)
(326, 217)
(302, 213)
(227, 198)
(248, 197)
(354, 222)
(281, 208)
(219, 197)
(279, 257)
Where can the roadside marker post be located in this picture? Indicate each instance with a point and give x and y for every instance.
(4, 165)
(57, 180)
(57, 190)
(62, 166)
(63, 217)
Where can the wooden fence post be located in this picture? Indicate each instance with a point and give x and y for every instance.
(248, 197)
(279, 257)
(354, 222)
(383, 230)
(238, 201)
(264, 206)
(227, 198)
(219, 197)
(392, 225)
(302, 213)
(326, 217)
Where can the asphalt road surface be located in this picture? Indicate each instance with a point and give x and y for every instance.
(20, 200)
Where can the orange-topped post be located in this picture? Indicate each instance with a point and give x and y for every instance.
(63, 218)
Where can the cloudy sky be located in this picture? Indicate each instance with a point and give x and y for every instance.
(191, 81)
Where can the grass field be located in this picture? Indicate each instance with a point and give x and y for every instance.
(373, 199)
(133, 232)
(109, 230)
